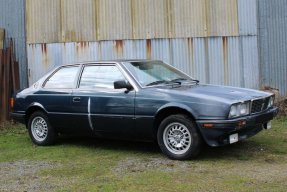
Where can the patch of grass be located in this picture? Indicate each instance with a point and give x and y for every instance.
(80, 163)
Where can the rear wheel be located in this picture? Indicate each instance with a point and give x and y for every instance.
(40, 130)
(178, 137)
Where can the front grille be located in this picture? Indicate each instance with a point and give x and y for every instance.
(259, 105)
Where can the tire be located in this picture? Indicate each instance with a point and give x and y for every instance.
(179, 138)
(40, 130)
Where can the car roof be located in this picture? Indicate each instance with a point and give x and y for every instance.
(111, 61)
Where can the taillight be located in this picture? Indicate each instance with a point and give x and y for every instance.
(12, 101)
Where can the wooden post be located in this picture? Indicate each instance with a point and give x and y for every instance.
(7, 82)
(2, 32)
(1, 85)
(17, 75)
(12, 66)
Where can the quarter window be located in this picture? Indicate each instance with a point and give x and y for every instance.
(100, 77)
(63, 78)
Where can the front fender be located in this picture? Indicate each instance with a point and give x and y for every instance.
(179, 105)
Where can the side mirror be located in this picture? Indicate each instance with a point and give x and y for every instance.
(122, 85)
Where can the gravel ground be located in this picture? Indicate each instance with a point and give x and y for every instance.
(24, 176)
(27, 176)
(265, 172)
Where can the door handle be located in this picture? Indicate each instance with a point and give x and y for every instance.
(77, 99)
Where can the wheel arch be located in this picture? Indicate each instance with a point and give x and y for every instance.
(171, 109)
(31, 109)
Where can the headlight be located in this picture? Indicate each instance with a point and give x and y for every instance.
(239, 109)
(233, 111)
(271, 101)
(243, 108)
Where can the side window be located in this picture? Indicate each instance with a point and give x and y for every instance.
(63, 78)
(100, 77)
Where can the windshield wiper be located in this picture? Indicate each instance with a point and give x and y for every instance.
(157, 82)
(179, 79)
(183, 79)
(197, 81)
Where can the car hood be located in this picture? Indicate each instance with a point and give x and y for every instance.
(215, 92)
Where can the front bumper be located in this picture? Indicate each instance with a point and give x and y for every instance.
(20, 117)
(219, 133)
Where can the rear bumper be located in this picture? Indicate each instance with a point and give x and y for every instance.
(20, 117)
(219, 133)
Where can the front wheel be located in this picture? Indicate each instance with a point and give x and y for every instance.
(40, 130)
(178, 137)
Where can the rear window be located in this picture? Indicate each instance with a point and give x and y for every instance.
(64, 78)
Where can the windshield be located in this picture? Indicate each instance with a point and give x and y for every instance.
(154, 73)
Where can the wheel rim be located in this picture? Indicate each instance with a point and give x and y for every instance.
(177, 138)
(39, 128)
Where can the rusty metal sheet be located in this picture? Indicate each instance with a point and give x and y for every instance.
(229, 61)
(2, 31)
(273, 45)
(78, 20)
(149, 19)
(114, 19)
(222, 18)
(188, 18)
(57, 21)
(247, 17)
(43, 21)
(13, 20)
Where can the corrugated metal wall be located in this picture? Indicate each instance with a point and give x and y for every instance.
(56, 21)
(219, 60)
(213, 41)
(12, 19)
(273, 44)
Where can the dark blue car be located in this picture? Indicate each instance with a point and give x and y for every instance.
(141, 100)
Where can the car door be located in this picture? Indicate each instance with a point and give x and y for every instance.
(108, 109)
(55, 95)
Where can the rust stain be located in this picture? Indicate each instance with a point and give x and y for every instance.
(44, 48)
(148, 49)
(225, 60)
(45, 59)
(78, 48)
(119, 48)
(83, 45)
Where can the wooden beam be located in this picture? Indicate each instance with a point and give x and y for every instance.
(1, 84)
(12, 66)
(2, 33)
(17, 77)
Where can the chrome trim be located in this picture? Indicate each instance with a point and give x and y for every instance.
(19, 111)
(103, 115)
(89, 113)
